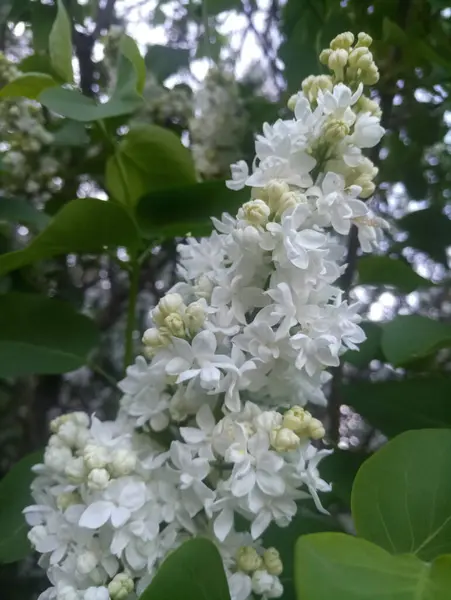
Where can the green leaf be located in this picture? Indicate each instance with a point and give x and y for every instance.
(38, 63)
(40, 335)
(383, 270)
(15, 495)
(83, 225)
(70, 133)
(130, 50)
(409, 337)
(17, 210)
(29, 85)
(334, 566)
(369, 350)
(429, 231)
(148, 158)
(42, 19)
(177, 211)
(163, 61)
(73, 105)
(60, 44)
(401, 499)
(396, 406)
(192, 572)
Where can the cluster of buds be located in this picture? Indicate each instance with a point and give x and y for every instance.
(351, 63)
(263, 569)
(173, 318)
(297, 427)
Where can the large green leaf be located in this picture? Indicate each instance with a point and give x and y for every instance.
(30, 85)
(71, 133)
(17, 210)
(60, 44)
(334, 566)
(83, 225)
(187, 209)
(410, 337)
(163, 61)
(14, 497)
(148, 158)
(193, 572)
(396, 406)
(369, 350)
(383, 270)
(401, 499)
(40, 335)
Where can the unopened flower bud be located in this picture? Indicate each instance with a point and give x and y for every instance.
(248, 560)
(175, 325)
(171, 303)
(367, 184)
(95, 457)
(337, 60)
(56, 458)
(324, 56)
(313, 84)
(203, 287)
(291, 104)
(194, 316)
(335, 131)
(365, 104)
(283, 439)
(66, 499)
(255, 212)
(123, 462)
(121, 586)
(263, 583)
(75, 470)
(297, 419)
(86, 562)
(273, 564)
(365, 62)
(363, 39)
(371, 75)
(316, 429)
(153, 339)
(98, 479)
(274, 190)
(358, 54)
(343, 40)
(67, 432)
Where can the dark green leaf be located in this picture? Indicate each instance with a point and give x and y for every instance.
(193, 572)
(17, 210)
(215, 7)
(15, 495)
(383, 270)
(163, 61)
(42, 19)
(130, 50)
(369, 350)
(148, 158)
(71, 133)
(429, 231)
(396, 406)
(38, 63)
(30, 85)
(340, 469)
(83, 225)
(409, 337)
(60, 44)
(401, 499)
(39, 335)
(187, 209)
(334, 566)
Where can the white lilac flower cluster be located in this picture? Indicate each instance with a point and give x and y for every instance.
(212, 425)
(28, 167)
(218, 126)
